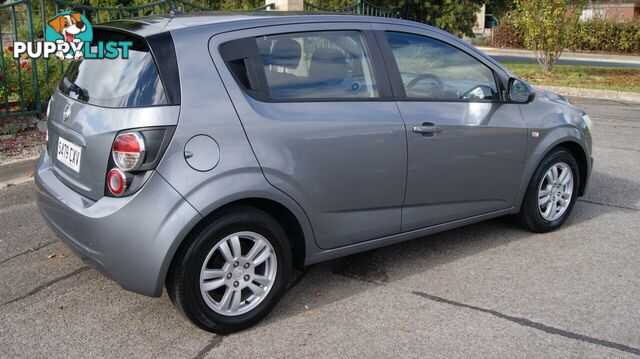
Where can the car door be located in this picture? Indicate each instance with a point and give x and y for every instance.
(318, 111)
(466, 146)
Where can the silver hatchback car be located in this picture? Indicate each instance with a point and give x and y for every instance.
(230, 148)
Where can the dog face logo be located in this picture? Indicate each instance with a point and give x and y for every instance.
(69, 35)
(69, 28)
(68, 25)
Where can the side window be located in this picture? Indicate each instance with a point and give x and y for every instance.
(432, 69)
(317, 65)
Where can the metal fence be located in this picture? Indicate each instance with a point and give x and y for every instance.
(360, 7)
(98, 14)
(19, 78)
(25, 84)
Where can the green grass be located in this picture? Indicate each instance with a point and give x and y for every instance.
(602, 78)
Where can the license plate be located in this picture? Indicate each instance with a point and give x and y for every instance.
(69, 154)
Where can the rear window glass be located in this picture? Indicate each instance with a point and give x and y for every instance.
(132, 82)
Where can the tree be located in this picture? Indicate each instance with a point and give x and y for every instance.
(457, 17)
(232, 5)
(547, 26)
(499, 8)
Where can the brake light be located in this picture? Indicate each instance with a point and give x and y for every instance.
(116, 182)
(135, 154)
(128, 151)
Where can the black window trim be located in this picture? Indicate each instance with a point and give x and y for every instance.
(262, 94)
(246, 49)
(396, 78)
(162, 47)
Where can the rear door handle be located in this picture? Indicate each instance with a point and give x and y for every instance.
(427, 128)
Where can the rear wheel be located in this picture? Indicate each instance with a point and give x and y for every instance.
(552, 192)
(232, 272)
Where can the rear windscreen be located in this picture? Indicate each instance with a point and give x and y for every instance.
(131, 82)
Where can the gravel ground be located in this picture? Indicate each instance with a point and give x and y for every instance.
(486, 290)
(24, 144)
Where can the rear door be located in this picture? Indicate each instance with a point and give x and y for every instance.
(466, 145)
(317, 108)
(95, 100)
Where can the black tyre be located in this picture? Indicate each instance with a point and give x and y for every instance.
(551, 193)
(232, 272)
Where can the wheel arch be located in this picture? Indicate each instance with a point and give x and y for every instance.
(281, 213)
(581, 157)
(573, 145)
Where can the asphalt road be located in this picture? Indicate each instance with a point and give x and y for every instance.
(486, 290)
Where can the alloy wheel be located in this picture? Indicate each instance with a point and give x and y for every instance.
(555, 191)
(238, 273)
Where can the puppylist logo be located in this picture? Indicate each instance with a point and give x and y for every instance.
(69, 35)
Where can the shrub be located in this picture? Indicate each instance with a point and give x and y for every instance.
(548, 26)
(507, 35)
(24, 66)
(592, 35)
(481, 41)
(606, 35)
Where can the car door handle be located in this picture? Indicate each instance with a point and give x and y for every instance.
(427, 128)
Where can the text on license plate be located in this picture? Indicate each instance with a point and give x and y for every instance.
(69, 154)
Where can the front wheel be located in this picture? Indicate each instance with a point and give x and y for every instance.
(552, 192)
(232, 272)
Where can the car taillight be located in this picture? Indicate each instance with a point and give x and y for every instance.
(116, 182)
(128, 151)
(135, 154)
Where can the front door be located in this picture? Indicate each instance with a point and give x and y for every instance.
(466, 146)
(317, 109)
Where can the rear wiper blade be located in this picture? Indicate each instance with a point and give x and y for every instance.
(82, 93)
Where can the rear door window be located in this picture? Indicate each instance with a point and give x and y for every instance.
(132, 82)
(317, 65)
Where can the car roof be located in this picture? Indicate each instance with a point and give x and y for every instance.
(150, 25)
(221, 21)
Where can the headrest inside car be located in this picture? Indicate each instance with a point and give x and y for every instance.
(328, 65)
(285, 53)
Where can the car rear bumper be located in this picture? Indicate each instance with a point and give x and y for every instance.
(130, 240)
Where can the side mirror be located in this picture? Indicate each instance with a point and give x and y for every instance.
(520, 92)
